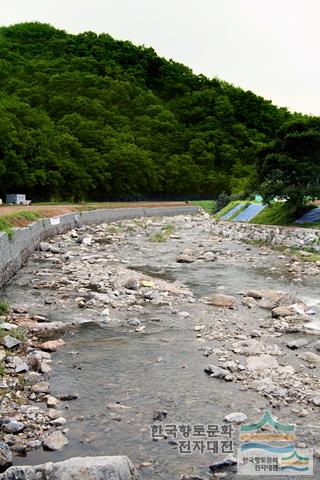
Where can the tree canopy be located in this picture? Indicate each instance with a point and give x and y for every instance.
(87, 116)
(289, 168)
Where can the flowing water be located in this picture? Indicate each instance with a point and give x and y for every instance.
(112, 364)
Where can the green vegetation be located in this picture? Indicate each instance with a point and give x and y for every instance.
(14, 219)
(163, 235)
(14, 333)
(4, 307)
(207, 205)
(289, 168)
(89, 117)
(275, 214)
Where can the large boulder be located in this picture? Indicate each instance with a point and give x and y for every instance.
(87, 468)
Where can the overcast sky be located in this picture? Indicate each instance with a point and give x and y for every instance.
(268, 46)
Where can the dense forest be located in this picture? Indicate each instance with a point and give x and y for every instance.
(89, 117)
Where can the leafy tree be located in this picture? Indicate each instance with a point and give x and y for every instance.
(289, 168)
(87, 116)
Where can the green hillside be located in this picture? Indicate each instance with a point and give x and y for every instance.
(87, 116)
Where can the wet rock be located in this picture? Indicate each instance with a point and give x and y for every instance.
(262, 362)
(159, 415)
(133, 322)
(298, 343)
(55, 441)
(52, 345)
(236, 417)
(43, 329)
(87, 468)
(10, 342)
(66, 397)
(225, 464)
(117, 406)
(10, 425)
(5, 456)
(184, 258)
(220, 300)
(216, 372)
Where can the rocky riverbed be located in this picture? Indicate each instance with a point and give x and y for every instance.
(117, 327)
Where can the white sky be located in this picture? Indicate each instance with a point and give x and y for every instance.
(268, 46)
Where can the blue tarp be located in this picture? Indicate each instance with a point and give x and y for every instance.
(249, 213)
(312, 216)
(231, 212)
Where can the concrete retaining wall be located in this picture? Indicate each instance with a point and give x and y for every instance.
(15, 251)
(273, 235)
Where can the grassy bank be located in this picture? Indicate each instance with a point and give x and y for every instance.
(17, 219)
(207, 205)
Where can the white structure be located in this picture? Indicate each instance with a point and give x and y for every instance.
(17, 199)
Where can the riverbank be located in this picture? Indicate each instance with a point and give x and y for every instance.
(187, 327)
(17, 245)
(285, 236)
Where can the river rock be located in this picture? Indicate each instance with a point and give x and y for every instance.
(220, 300)
(10, 425)
(52, 345)
(41, 387)
(224, 464)
(10, 342)
(247, 347)
(316, 400)
(184, 258)
(66, 397)
(272, 300)
(281, 312)
(55, 441)
(133, 322)
(84, 468)
(20, 309)
(262, 362)
(256, 294)
(5, 456)
(18, 364)
(44, 247)
(310, 357)
(216, 372)
(132, 284)
(52, 402)
(298, 343)
(235, 417)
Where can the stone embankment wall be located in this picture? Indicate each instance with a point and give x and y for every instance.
(15, 251)
(273, 235)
